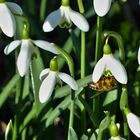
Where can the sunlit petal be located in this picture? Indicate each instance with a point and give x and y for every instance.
(7, 21)
(139, 56)
(134, 123)
(52, 21)
(46, 46)
(47, 87)
(98, 70)
(117, 69)
(12, 46)
(44, 73)
(117, 138)
(14, 8)
(79, 20)
(68, 80)
(102, 6)
(24, 58)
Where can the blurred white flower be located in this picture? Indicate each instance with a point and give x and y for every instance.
(7, 19)
(49, 79)
(102, 7)
(27, 47)
(109, 62)
(139, 56)
(64, 16)
(117, 138)
(133, 123)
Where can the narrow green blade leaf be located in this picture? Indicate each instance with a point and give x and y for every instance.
(93, 137)
(73, 135)
(9, 131)
(84, 137)
(7, 90)
(36, 68)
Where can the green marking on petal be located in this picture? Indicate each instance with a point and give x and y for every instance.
(65, 24)
(107, 73)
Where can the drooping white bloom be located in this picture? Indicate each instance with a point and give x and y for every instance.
(139, 56)
(133, 123)
(26, 50)
(49, 79)
(102, 7)
(117, 138)
(7, 20)
(109, 62)
(65, 15)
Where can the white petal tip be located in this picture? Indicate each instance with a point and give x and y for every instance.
(47, 27)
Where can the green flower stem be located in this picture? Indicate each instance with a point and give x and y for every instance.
(81, 6)
(98, 39)
(43, 9)
(83, 55)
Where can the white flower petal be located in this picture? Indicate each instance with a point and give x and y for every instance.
(134, 123)
(99, 69)
(46, 46)
(117, 138)
(7, 21)
(44, 73)
(69, 80)
(79, 20)
(47, 87)
(139, 56)
(24, 57)
(15, 8)
(52, 21)
(102, 7)
(117, 69)
(12, 46)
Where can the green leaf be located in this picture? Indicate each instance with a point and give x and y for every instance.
(36, 67)
(84, 137)
(73, 135)
(9, 131)
(93, 137)
(60, 108)
(7, 89)
(92, 116)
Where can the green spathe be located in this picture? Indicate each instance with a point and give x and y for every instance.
(54, 64)
(107, 49)
(65, 2)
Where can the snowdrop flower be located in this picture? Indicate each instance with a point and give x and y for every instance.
(109, 63)
(102, 7)
(133, 122)
(64, 16)
(139, 56)
(50, 77)
(7, 20)
(26, 50)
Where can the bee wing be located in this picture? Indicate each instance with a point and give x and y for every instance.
(97, 94)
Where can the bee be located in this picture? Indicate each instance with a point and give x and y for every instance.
(106, 83)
